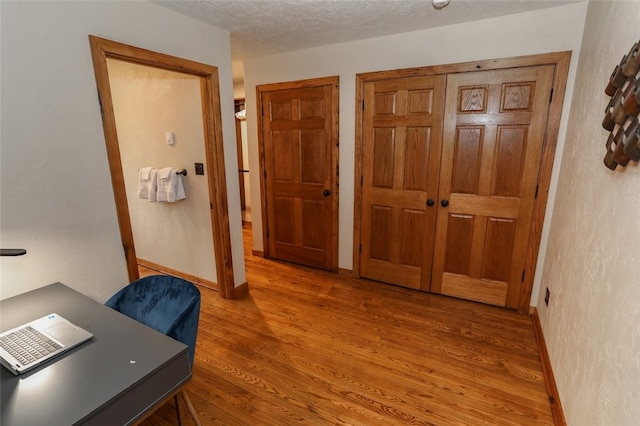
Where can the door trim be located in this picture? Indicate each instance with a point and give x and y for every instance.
(101, 49)
(299, 84)
(560, 60)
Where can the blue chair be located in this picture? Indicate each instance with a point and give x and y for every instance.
(167, 304)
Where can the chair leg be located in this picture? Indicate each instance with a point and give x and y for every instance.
(175, 400)
(190, 407)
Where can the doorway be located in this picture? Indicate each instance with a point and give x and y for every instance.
(148, 104)
(243, 161)
(207, 75)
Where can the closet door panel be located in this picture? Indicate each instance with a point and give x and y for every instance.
(402, 124)
(492, 142)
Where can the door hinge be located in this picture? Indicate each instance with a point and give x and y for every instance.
(101, 108)
(262, 111)
(363, 105)
(536, 196)
(523, 272)
(360, 249)
(361, 180)
(211, 206)
(551, 96)
(265, 174)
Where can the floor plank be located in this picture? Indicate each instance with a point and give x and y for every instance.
(311, 347)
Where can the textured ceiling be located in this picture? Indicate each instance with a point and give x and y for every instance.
(261, 27)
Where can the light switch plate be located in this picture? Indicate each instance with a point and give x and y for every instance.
(170, 137)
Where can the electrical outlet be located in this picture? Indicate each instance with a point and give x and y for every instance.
(547, 293)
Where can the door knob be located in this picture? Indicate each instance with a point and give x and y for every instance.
(326, 193)
(430, 202)
(444, 203)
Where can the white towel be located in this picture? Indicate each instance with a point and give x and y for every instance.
(147, 183)
(165, 173)
(145, 172)
(170, 187)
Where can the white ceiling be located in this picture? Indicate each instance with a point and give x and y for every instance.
(261, 27)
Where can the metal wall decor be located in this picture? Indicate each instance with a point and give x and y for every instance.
(622, 113)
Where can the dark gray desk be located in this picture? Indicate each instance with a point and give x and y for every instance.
(116, 378)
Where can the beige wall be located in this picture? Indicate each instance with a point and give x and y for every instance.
(592, 264)
(148, 102)
(543, 31)
(56, 195)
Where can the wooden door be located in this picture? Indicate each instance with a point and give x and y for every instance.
(493, 134)
(402, 123)
(300, 150)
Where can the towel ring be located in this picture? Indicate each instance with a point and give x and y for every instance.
(183, 172)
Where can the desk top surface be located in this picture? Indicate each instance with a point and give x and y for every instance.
(114, 378)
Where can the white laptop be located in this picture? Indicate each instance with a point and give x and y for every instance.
(36, 342)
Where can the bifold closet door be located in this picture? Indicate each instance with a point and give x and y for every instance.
(493, 135)
(402, 122)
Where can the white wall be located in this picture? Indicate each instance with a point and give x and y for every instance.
(592, 264)
(148, 102)
(544, 31)
(56, 195)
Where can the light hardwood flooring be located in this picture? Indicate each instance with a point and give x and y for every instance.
(306, 347)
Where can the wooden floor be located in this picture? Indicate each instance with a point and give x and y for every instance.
(307, 347)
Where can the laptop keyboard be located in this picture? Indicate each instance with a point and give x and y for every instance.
(28, 345)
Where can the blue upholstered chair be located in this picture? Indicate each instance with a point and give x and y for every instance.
(167, 304)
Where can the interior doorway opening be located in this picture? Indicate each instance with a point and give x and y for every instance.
(243, 161)
(101, 50)
(159, 123)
